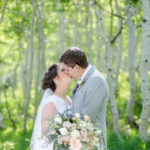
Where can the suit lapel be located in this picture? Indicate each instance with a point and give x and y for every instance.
(89, 73)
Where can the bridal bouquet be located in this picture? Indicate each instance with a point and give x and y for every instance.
(73, 132)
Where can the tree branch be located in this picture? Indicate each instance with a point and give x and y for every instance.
(120, 30)
(9, 112)
(116, 15)
(3, 11)
(116, 36)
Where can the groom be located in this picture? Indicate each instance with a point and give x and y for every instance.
(91, 91)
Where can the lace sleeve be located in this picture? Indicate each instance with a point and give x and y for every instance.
(49, 109)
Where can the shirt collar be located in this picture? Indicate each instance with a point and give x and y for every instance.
(85, 72)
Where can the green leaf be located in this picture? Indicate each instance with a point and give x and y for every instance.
(64, 1)
(52, 137)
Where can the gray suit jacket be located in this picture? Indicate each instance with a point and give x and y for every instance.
(91, 99)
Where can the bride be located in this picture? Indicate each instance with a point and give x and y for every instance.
(55, 84)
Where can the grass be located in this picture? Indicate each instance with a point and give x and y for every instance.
(127, 142)
(19, 141)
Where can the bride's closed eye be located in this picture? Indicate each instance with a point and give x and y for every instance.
(62, 70)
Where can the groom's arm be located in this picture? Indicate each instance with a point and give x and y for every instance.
(96, 93)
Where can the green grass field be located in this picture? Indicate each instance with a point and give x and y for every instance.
(19, 141)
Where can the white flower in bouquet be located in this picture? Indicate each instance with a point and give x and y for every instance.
(63, 131)
(83, 136)
(77, 115)
(58, 120)
(52, 131)
(66, 140)
(87, 118)
(82, 124)
(97, 132)
(89, 126)
(75, 144)
(75, 133)
(67, 125)
(73, 126)
(91, 141)
(95, 140)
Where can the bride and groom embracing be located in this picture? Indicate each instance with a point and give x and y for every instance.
(89, 96)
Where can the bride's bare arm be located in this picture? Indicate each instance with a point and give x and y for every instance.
(48, 110)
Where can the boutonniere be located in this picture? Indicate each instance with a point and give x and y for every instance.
(81, 83)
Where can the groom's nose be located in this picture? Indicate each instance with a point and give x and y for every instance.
(67, 72)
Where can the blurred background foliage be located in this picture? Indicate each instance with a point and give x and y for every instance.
(33, 35)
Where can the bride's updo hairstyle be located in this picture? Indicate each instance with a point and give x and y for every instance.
(48, 82)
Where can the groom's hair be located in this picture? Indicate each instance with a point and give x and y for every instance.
(49, 76)
(74, 56)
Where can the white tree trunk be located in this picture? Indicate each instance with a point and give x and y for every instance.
(110, 78)
(41, 37)
(1, 121)
(145, 63)
(61, 35)
(30, 71)
(138, 55)
(37, 79)
(131, 64)
(119, 47)
(90, 31)
(98, 47)
(118, 62)
(24, 65)
(75, 40)
(111, 20)
(41, 67)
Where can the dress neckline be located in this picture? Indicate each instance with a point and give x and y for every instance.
(63, 100)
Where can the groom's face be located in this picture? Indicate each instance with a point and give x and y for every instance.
(72, 72)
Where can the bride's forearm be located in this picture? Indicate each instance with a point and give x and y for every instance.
(48, 110)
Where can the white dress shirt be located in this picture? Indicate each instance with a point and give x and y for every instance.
(85, 72)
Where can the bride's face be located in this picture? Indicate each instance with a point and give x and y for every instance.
(62, 77)
(73, 72)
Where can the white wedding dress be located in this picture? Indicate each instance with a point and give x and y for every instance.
(36, 142)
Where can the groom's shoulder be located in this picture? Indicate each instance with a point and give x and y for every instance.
(96, 78)
(97, 75)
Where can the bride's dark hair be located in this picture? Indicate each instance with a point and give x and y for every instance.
(47, 81)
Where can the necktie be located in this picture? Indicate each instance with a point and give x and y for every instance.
(75, 89)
